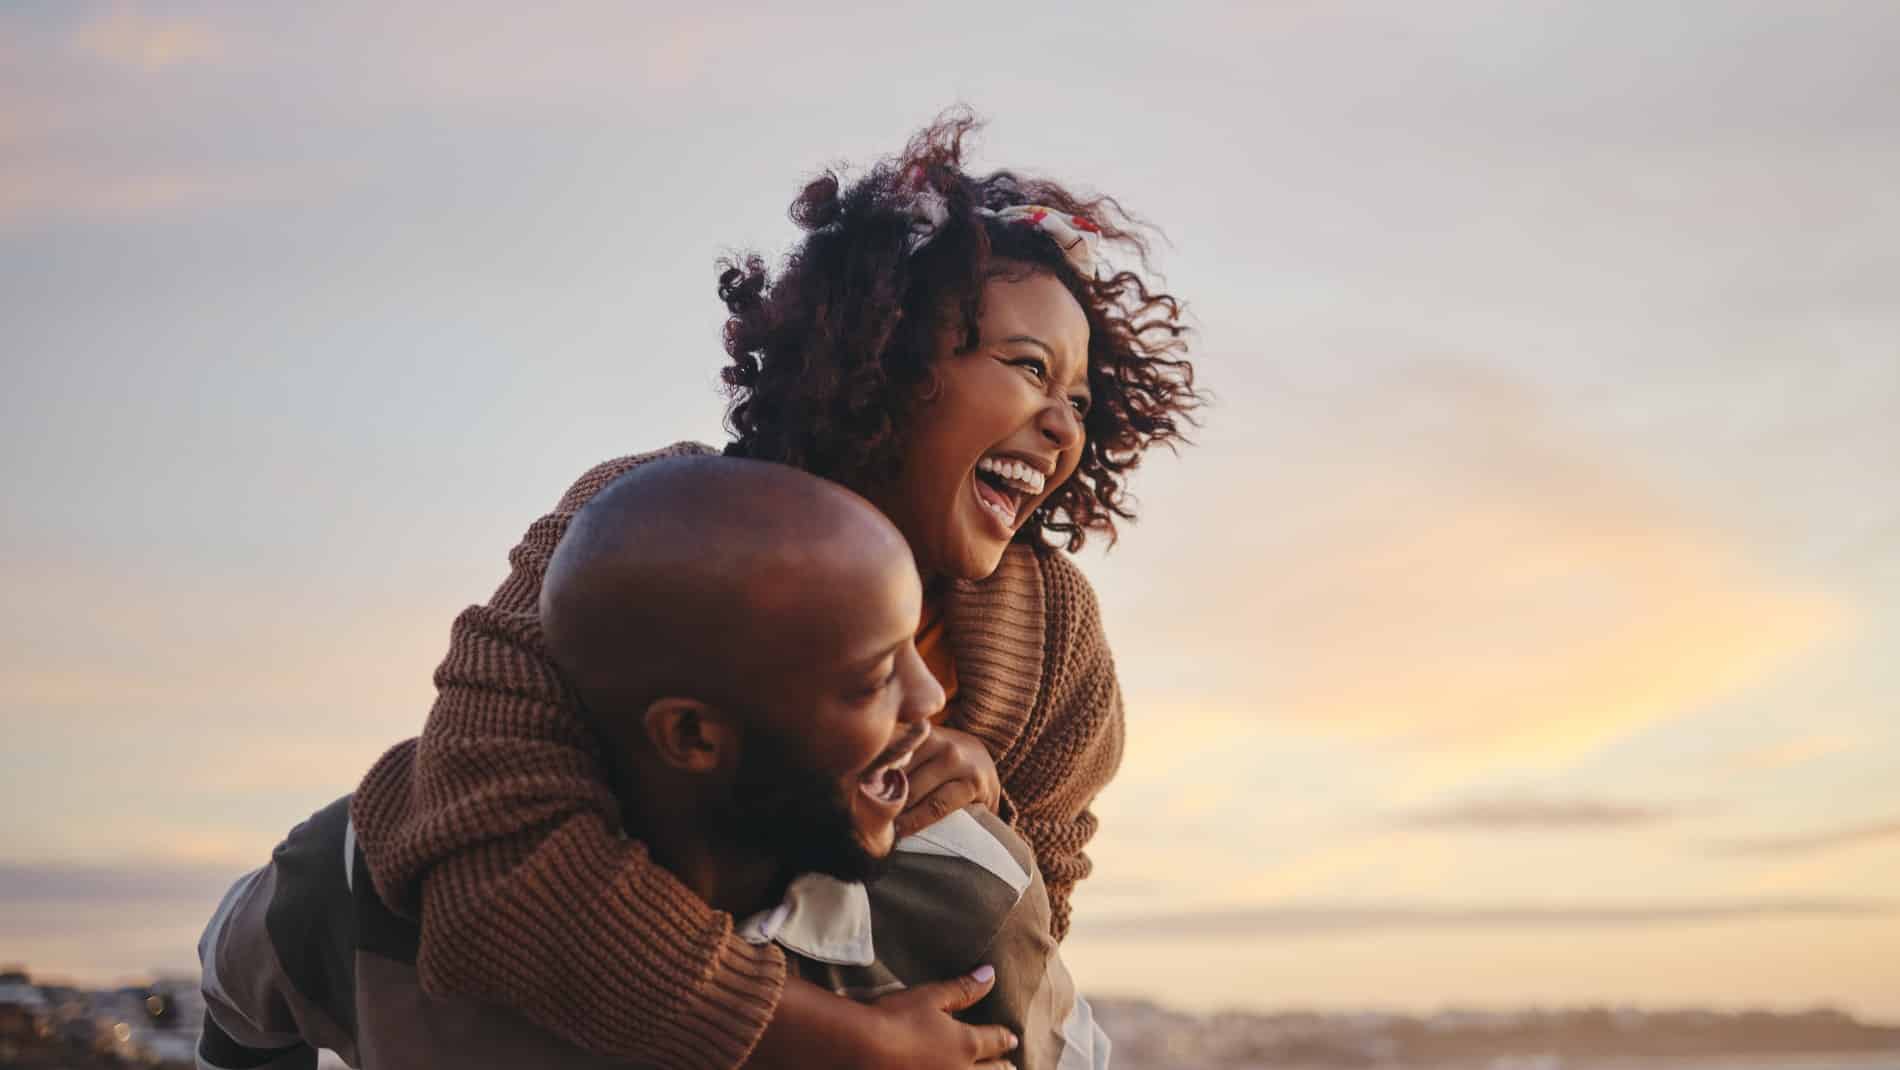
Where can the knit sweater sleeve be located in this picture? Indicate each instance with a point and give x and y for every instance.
(1074, 747)
(498, 826)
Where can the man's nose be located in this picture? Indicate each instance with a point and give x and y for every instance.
(924, 698)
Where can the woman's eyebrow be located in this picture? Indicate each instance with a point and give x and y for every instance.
(1034, 341)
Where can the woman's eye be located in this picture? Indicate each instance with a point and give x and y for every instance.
(1080, 404)
(1033, 365)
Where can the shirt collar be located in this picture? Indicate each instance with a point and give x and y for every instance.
(821, 918)
(829, 920)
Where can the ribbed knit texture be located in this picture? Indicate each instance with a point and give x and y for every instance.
(498, 825)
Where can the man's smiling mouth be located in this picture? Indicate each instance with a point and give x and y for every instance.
(886, 782)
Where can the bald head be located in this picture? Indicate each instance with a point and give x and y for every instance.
(703, 576)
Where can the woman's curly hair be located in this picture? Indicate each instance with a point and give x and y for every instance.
(831, 359)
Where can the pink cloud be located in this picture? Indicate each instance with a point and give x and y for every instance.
(125, 38)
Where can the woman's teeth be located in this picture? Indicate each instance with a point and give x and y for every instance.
(1019, 475)
(1000, 504)
(1003, 485)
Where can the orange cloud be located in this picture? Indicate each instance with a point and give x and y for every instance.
(1454, 573)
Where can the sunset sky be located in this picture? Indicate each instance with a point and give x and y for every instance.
(1523, 628)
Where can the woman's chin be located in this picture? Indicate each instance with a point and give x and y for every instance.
(977, 559)
(962, 555)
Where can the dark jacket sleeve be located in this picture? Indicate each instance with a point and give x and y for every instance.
(274, 959)
(250, 1021)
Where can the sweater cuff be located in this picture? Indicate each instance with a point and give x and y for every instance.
(721, 992)
(748, 980)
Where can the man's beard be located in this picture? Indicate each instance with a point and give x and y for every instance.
(794, 814)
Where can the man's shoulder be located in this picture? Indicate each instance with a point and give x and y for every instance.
(981, 839)
(950, 891)
(313, 862)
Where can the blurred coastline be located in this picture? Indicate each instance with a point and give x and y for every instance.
(1151, 1037)
(46, 1025)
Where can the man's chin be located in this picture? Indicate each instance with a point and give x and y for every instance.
(859, 866)
(878, 845)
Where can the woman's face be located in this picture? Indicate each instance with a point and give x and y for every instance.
(1003, 432)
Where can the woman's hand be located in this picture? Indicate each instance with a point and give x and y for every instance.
(950, 771)
(921, 1033)
(911, 1030)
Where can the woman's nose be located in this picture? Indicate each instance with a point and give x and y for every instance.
(1061, 424)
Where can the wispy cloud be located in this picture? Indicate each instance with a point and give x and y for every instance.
(1812, 842)
(502, 55)
(1791, 752)
(92, 138)
(147, 881)
(124, 37)
(1542, 814)
(51, 192)
(1321, 920)
(1343, 864)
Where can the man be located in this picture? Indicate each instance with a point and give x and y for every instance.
(740, 638)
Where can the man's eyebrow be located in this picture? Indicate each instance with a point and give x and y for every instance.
(869, 663)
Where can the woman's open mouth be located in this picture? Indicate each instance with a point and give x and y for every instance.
(1003, 486)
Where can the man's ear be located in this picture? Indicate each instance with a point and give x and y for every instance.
(688, 735)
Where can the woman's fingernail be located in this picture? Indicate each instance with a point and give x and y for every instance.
(1014, 1040)
(983, 974)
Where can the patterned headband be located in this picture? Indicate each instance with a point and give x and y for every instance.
(1077, 235)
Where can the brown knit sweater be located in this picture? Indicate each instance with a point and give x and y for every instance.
(499, 828)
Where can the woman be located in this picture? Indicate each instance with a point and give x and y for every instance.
(945, 345)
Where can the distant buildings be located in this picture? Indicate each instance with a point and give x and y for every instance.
(58, 1026)
(65, 1026)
